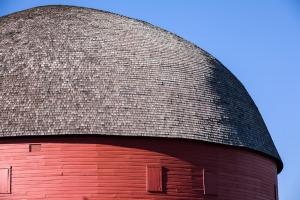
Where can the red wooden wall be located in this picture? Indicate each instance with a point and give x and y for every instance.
(107, 167)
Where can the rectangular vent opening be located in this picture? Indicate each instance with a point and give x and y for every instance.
(210, 184)
(5, 180)
(34, 147)
(154, 178)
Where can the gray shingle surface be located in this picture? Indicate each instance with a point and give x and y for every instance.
(70, 70)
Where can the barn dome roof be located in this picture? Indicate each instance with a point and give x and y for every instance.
(71, 70)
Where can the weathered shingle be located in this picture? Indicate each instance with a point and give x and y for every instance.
(70, 70)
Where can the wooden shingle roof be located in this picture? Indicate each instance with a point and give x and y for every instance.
(71, 70)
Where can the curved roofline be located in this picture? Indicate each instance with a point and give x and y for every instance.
(179, 38)
(278, 162)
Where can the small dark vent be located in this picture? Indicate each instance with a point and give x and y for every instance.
(34, 147)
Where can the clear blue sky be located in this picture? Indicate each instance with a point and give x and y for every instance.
(259, 41)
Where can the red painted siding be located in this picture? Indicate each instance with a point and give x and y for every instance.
(93, 168)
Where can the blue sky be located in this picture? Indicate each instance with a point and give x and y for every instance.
(259, 41)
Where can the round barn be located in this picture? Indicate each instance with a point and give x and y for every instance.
(94, 105)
